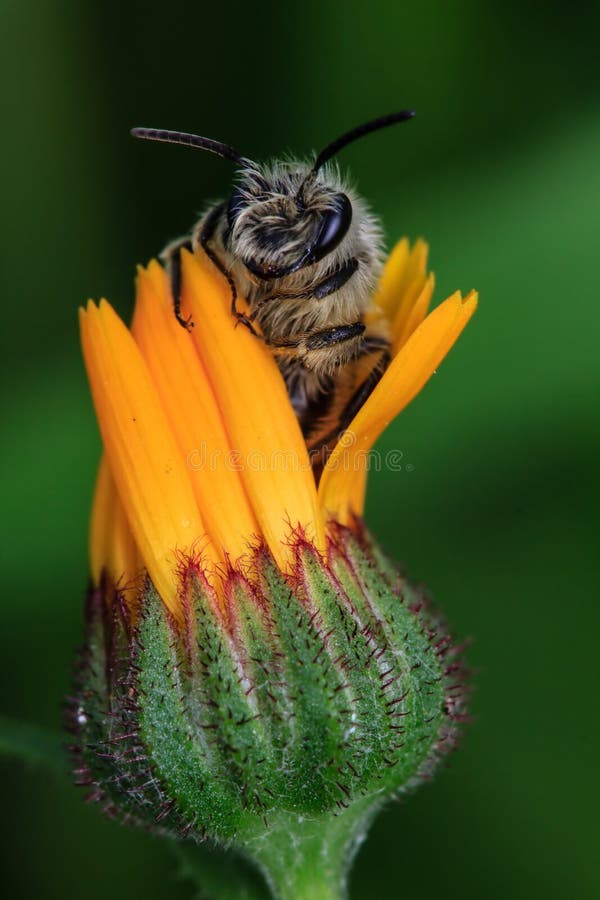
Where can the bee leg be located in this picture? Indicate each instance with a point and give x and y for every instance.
(207, 231)
(320, 339)
(243, 319)
(332, 336)
(319, 291)
(172, 257)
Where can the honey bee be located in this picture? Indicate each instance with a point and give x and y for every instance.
(305, 252)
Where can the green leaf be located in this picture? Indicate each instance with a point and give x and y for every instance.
(220, 874)
(33, 744)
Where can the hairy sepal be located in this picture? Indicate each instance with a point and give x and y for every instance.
(281, 699)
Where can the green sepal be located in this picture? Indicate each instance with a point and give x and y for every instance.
(372, 671)
(253, 632)
(320, 704)
(434, 703)
(227, 713)
(96, 715)
(192, 795)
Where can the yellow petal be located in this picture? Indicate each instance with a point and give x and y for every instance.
(402, 280)
(195, 419)
(412, 283)
(262, 427)
(112, 546)
(412, 311)
(406, 375)
(355, 504)
(387, 294)
(124, 563)
(151, 478)
(105, 495)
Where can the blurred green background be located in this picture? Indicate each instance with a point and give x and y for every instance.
(495, 509)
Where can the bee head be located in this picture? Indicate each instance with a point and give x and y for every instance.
(284, 219)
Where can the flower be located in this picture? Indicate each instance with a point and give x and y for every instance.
(255, 671)
(203, 450)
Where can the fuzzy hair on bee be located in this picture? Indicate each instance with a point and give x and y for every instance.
(305, 252)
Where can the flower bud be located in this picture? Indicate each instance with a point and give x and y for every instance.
(288, 697)
(271, 692)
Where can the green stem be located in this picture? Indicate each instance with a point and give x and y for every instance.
(309, 858)
(300, 858)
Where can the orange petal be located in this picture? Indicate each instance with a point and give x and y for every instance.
(195, 419)
(406, 375)
(263, 431)
(149, 473)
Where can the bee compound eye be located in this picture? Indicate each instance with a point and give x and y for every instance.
(334, 228)
(237, 203)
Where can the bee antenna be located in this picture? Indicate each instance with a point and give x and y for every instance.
(358, 132)
(190, 140)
